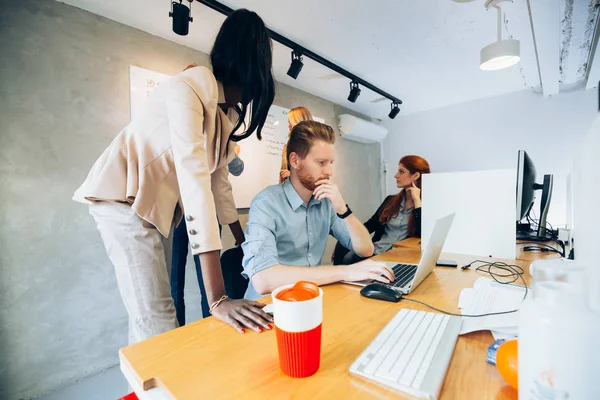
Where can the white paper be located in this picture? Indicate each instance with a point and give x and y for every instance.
(486, 297)
(503, 335)
(466, 298)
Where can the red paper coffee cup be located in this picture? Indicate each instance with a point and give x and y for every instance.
(298, 314)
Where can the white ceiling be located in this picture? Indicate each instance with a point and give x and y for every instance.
(423, 52)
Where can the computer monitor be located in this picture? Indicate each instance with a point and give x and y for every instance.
(526, 187)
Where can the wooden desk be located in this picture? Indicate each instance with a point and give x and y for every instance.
(209, 360)
(521, 255)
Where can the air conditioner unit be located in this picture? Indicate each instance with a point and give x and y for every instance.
(359, 130)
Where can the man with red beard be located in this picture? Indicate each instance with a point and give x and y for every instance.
(289, 223)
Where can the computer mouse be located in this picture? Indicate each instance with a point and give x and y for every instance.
(380, 291)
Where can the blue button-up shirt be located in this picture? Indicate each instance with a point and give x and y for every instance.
(281, 229)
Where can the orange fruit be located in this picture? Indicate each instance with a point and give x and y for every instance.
(507, 362)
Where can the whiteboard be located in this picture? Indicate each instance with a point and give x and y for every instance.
(262, 159)
(142, 83)
(484, 203)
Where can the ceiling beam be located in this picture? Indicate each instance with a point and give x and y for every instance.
(545, 25)
(593, 69)
(578, 20)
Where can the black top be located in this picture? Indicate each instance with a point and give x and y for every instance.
(374, 225)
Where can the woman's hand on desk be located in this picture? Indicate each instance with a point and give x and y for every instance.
(368, 270)
(243, 314)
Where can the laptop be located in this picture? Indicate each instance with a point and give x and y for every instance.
(409, 276)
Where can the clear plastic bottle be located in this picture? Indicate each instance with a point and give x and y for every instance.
(559, 353)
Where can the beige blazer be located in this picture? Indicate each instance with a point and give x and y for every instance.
(173, 154)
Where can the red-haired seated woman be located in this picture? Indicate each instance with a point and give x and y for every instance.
(399, 216)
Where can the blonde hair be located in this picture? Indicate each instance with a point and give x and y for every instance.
(299, 114)
(295, 116)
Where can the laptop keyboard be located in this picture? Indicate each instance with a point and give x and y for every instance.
(403, 274)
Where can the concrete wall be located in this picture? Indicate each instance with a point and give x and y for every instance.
(64, 95)
(486, 134)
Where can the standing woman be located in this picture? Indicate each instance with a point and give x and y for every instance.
(295, 115)
(180, 245)
(171, 161)
(179, 251)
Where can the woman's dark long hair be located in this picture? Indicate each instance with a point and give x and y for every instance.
(242, 56)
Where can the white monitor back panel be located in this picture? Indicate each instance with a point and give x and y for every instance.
(485, 207)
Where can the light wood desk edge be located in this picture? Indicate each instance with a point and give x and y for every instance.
(197, 360)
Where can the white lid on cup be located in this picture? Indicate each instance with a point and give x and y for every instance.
(297, 316)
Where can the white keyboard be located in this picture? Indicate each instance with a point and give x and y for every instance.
(411, 353)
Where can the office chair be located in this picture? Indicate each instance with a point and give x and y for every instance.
(338, 254)
(231, 265)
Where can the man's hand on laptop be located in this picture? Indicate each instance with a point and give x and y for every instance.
(368, 270)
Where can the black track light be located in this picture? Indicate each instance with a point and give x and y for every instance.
(296, 65)
(354, 92)
(395, 110)
(181, 17)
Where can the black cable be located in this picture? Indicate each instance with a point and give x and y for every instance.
(553, 234)
(458, 315)
(563, 247)
(547, 246)
(533, 220)
(530, 220)
(538, 244)
(537, 222)
(515, 272)
(542, 250)
(535, 226)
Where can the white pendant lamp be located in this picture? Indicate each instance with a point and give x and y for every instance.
(503, 53)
